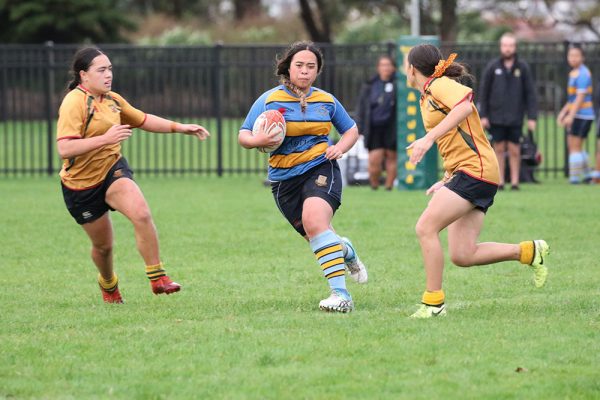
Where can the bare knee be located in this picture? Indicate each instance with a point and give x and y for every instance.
(102, 249)
(423, 229)
(142, 217)
(461, 259)
(313, 228)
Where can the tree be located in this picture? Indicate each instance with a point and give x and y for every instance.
(317, 16)
(584, 14)
(62, 21)
(246, 9)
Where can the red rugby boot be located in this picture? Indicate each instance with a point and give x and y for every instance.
(164, 284)
(113, 296)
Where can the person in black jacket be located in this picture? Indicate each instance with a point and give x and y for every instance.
(507, 90)
(376, 121)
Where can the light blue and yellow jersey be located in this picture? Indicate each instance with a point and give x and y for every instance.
(580, 81)
(307, 132)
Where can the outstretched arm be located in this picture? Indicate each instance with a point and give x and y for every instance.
(162, 125)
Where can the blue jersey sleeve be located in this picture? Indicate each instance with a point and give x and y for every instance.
(340, 118)
(257, 108)
(583, 81)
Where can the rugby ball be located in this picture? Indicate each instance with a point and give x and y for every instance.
(274, 122)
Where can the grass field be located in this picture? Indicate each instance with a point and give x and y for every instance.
(247, 325)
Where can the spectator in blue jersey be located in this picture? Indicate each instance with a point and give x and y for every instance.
(577, 115)
(376, 121)
(305, 178)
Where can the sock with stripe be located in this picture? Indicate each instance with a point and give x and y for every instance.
(108, 285)
(527, 252)
(328, 250)
(576, 166)
(347, 251)
(435, 298)
(155, 272)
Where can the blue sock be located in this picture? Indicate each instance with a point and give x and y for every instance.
(576, 161)
(347, 250)
(328, 250)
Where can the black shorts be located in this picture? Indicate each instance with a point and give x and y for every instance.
(90, 204)
(479, 193)
(502, 133)
(381, 137)
(580, 127)
(324, 181)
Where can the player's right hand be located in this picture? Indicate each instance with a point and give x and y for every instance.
(117, 133)
(485, 123)
(262, 139)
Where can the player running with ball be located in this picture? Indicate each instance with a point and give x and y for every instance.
(304, 174)
(471, 178)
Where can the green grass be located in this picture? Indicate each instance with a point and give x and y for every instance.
(247, 325)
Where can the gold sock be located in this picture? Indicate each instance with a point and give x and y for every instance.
(108, 285)
(155, 272)
(527, 252)
(435, 298)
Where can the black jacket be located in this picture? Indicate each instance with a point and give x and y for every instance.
(362, 114)
(504, 96)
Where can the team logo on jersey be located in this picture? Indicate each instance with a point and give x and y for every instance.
(517, 72)
(323, 111)
(118, 173)
(498, 71)
(113, 108)
(321, 180)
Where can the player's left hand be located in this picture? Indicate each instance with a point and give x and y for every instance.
(568, 121)
(192, 129)
(531, 123)
(333, 153)
(434, 188)
(419, 147)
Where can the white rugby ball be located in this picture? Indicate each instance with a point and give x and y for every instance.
(274, 123)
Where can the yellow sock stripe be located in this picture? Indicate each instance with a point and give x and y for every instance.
(335, 273)
(109, 285)
(434, 298)
(333, 262)
(329, 250)
(152, 268)
(527, 252)
(155, 275)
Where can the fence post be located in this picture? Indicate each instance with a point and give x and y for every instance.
(217, 109)
(566, 70)
(49, 46)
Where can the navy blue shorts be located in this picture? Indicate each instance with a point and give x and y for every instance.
(381, 137)
(581, 127)
(501, 133)
(90, 204)
(479, 193)
(324, 181)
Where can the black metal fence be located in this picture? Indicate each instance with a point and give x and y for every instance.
(215, 86)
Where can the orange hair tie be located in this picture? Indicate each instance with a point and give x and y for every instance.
(441, 67)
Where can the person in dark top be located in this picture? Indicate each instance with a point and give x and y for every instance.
(507, 90)
(376, 120)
